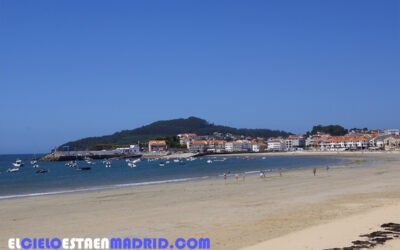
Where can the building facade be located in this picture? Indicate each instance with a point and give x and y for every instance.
(157, 146)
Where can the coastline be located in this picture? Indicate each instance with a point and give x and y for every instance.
(234, 214)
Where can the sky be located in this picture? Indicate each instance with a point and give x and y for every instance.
(73, 69)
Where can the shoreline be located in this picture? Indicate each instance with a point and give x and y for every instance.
(161, 182)
(235, 214)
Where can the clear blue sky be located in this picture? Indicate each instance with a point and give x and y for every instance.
(71, 69)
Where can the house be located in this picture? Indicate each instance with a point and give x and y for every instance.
(255, 147)
(276, 144)
(295, 142)
(242, 146)
(376, 142)
(392, 142)
(314, 141)
(337, 143)
(229, 147)
(217, 146)
(185, 139)
(157, 145)
(198, 146)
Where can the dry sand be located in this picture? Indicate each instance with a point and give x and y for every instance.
(325, 211)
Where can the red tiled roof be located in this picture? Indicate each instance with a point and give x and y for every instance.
(157, 142)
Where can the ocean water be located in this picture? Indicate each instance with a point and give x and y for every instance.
(62, 179)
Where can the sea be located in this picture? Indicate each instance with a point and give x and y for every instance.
(63, 179)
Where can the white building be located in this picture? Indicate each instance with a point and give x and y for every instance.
(255, 147)
(295, 142)
(133, 149)
(391, 132)
(242, 146)
(392, 142)
(229, 147)
(336, 143)
(377, 142)
(185, 139)
(276, 144)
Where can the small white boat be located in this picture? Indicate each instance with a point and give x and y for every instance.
(209, 161)
(71, 164)
(167, 162)
(264, 158)
(18, 163)
(33, 162)
(131, 164)
(162, 164)
(136, 161)
(14, 169)
(176, 160)
(35, 166)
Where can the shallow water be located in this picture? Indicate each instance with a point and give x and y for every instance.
(62, 179)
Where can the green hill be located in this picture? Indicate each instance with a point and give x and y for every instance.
(165, 129)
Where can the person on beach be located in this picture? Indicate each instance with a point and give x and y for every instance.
(237, 177)
(315, 171)
(327, 168)
(244, 176)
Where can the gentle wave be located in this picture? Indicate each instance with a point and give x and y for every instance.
(101, 188)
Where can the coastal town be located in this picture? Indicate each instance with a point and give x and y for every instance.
(219, 143)
(388, 139)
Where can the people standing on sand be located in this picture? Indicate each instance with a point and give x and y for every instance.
(327, 168)
(225, 176)
(237, 177)
(244, 176)
(315, 171)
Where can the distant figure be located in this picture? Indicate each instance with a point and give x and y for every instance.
(262, 174)
(244, 176)
(237, 177)
(327, 168)
(315, 171)
(225, 176)
(280, 173)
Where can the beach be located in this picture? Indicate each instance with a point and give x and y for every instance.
(294, 211)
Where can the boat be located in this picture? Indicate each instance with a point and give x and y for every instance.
(162, 164)
(35, 166)
(136, 161)
(12, 170)
(107, 163)
(71, 164)
(88, 160)
(176, 160)
(33, 162)
(209, 161)
(42, 171)
(84, 168)
(264, 158)
(131, 164)
(18, 163)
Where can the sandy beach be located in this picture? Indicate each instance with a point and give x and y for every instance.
(294, 211)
